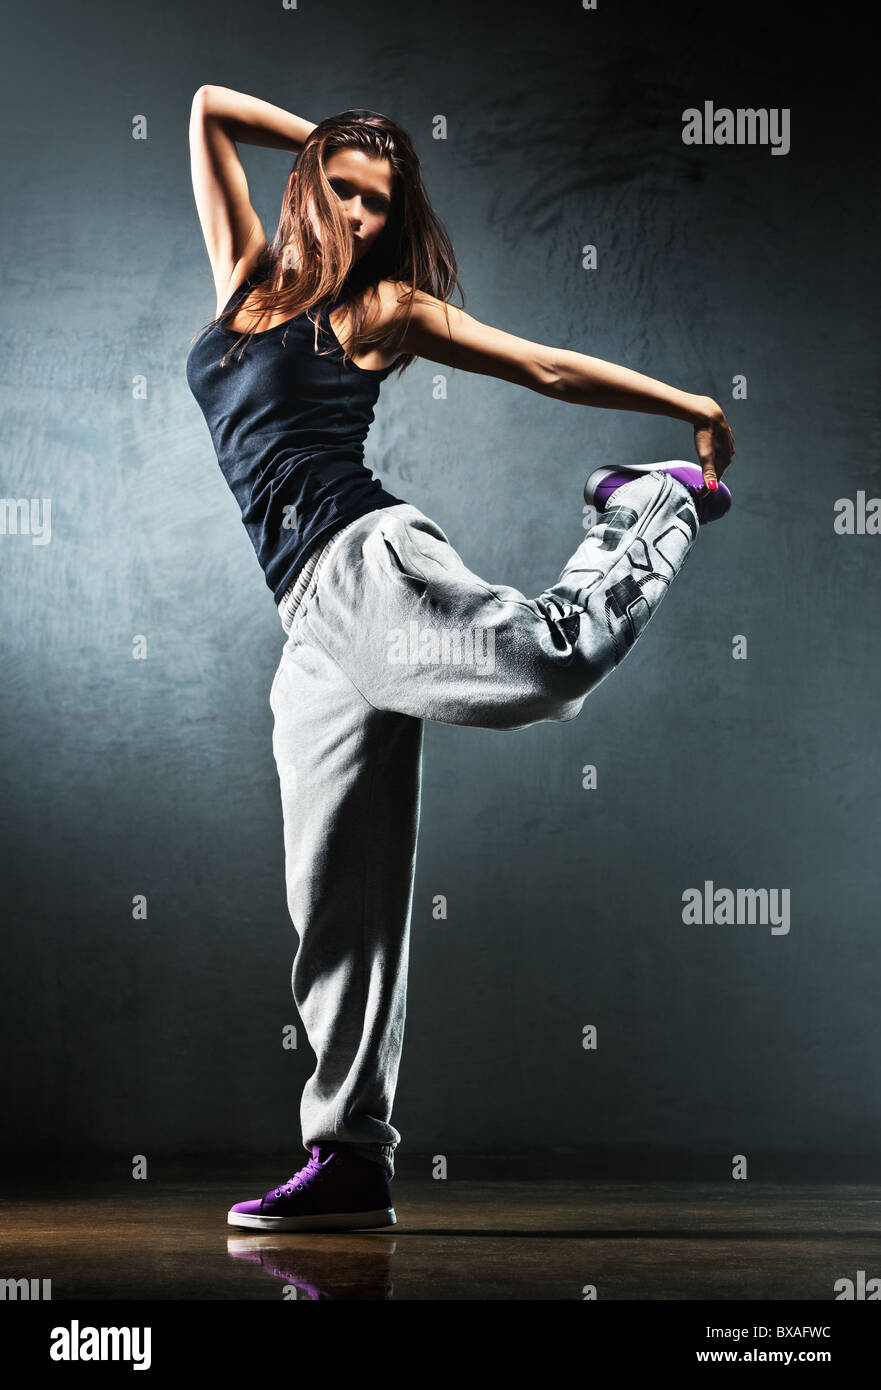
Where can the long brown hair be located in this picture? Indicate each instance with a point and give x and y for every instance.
(310, 261)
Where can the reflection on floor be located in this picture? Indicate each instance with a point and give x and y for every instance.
(552, 1239)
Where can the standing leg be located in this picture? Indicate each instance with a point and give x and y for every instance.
(350, 788)
(395, 629)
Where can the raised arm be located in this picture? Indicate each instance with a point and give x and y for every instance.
(443, 333)
(219, 117)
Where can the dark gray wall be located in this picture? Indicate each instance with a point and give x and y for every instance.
(123, 777)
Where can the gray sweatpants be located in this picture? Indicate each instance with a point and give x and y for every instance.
(387, 627)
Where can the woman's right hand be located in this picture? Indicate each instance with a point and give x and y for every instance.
(713, 440)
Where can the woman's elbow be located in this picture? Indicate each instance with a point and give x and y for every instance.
(544, 375)
(200, 96)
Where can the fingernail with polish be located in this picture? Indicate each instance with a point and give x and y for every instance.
(711, 483)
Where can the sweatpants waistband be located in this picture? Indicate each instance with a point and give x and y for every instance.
(295, 593)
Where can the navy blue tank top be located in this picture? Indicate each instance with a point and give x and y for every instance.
(288, 428)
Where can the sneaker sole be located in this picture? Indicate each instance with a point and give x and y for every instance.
(637, 468)
(595, 477)
(603, 472)
(711, 507)
(330, 1221)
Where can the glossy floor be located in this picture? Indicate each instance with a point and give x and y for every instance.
(552, 1239)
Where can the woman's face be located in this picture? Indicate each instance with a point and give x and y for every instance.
(364, 187)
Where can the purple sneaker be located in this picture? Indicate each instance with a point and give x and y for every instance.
(335, 1191)
(603, 482)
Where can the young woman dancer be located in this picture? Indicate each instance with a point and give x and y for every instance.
(386, 626)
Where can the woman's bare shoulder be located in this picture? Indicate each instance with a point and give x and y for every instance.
(396, 291)
(393, 296)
